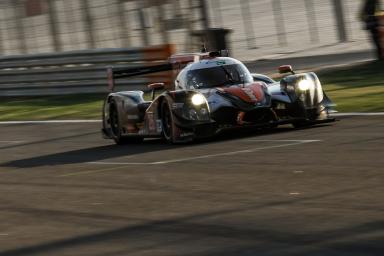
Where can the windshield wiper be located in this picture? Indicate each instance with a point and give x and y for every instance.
(230, 77)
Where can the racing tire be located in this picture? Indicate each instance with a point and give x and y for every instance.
(167, 122)
(304, 123)
(116, 127)
(310, 116)
(300, 124)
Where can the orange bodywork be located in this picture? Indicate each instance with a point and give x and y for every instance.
(251, 94)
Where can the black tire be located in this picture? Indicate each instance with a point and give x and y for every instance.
(300, 124)
(116, 127)
(303, 123)
(167, 122)
(310, 116)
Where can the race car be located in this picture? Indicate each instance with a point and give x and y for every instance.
(211, 93)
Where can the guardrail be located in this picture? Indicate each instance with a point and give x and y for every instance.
(78, 71)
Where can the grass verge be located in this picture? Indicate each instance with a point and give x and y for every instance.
(354, 89)
(87, 106)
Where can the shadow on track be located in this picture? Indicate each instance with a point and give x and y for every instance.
(151, 145)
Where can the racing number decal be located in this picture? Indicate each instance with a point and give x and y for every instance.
(151, 122)
(250, 94)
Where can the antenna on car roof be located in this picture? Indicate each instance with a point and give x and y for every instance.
(203, 48)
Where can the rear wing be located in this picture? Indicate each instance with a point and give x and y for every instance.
(175, 62)
(116, 73)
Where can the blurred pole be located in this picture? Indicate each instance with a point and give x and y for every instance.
(143, 23)
(123, 23)
(311, 18)
(204, 14)
(85, 8)
(279, 22)
(248, 23)
(163, 28)
(218, 15)
(1, 44)
(339, 15)
(19, 15)
(189, 24)
(2, 50)
(177, 9)
(53, 26)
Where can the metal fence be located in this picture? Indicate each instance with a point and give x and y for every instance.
(260, 26)
(81, 71)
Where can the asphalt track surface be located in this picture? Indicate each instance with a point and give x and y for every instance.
(315, 191)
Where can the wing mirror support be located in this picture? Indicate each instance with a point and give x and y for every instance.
(154, 87)
(110, 79)
(286, 69)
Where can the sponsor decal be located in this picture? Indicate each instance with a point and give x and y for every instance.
(159, 126)
(151, 121)
(250, 93)
(177, 105)
(186, 134)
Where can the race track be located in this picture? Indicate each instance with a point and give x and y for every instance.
(315, 191)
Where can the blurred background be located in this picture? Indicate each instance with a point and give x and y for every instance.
(253, 28)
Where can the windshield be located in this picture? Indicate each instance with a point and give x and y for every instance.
(218, 76)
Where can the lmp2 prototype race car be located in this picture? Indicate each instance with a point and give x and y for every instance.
(211, 93)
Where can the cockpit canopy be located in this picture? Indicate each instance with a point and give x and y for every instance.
(221, 75)
(212, 73)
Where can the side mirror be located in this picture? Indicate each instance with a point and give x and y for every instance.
(154, 87)
(286, 69)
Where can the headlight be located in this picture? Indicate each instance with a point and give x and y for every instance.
(198, 99)
(304, 84)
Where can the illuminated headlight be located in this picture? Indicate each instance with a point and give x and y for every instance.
(304, 84)
(198, 99)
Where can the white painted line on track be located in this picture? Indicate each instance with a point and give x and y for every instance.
(358, 114)
(12, 141)
(178, 160)
(51, 122)
(6, 143)
(294, 142)
(302, 141)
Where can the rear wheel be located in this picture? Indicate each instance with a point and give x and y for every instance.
(167, 122)
(116, 127)
(300, 124)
